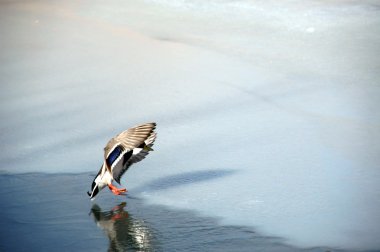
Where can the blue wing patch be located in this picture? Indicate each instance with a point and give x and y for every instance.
(114, 155)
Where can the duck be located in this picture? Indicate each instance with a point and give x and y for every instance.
(122, 151)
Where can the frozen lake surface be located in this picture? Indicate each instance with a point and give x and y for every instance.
(45, 212)
(267, 112)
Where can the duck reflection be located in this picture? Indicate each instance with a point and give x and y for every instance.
(124, 232)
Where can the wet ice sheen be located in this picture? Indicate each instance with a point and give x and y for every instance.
(66, 220)
(243, 87)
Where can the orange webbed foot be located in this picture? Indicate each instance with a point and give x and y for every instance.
(116, 190)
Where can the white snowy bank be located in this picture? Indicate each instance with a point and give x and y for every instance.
(267, 112)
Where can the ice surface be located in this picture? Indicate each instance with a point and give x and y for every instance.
(277, 101)
(67, 220)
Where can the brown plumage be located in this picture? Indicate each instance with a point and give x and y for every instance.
(123, 150)
(131, 138)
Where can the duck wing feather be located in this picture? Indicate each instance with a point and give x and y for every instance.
(118, 153)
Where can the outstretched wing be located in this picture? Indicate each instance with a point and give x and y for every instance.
(118, 171)
(120, 148)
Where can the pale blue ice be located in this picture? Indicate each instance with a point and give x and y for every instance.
(277, 100)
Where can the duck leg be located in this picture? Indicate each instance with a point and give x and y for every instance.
(116, 190)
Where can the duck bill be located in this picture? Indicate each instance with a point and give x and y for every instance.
(94, 192)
